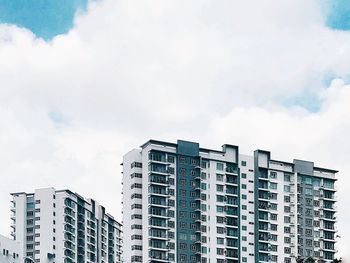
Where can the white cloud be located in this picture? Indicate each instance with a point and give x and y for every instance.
(214, 72)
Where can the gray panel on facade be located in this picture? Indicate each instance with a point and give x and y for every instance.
(187, 148)
(303, 167)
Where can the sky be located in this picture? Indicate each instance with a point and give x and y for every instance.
(82, 83)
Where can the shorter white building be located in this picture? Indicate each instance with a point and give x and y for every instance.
(59, 226)
(9, 250)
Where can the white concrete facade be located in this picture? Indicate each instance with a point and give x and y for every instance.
(9, 251)
(59, 226)
(182, 203)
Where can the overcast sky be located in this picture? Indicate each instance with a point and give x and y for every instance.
(272, 75)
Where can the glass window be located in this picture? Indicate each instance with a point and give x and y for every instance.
(273, 186)
(287, 177)
(219, 188)
(220, 166)
(273, 175)
(219, 209)
(220, 241)
(219, 177)
(287, 188)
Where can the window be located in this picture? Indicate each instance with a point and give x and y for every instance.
(220, 166)
(308, 222)
(287, 219)
(244, 186)
(273, 196)
(220, 241)
(244, 163)
(308, 191)
(287, 199)
(273, 206)
(219, 209)
(287, 188)
(308, 201)
(287, 177)
(136, 164)
(171, 159)
(219, 188)
(308, 232)
(219, 177)
(136, 175)
(136, 185)
(220, 251)
(273, 216)
(273, 227)
(182, 193)
(244, 175)
(273, 248)
(273, 175)
(220, 230)
(273, 186)
(220, 219)
(138, 196)
(136, 216)
(220, 198)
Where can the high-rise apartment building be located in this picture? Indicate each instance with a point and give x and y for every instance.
(63, 227)
(183, 203)
(9, 251)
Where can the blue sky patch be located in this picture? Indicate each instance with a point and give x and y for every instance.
(337, 13)
(45, 18)
(306, 100)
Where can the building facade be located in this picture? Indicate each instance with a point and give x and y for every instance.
(183, 203)
(9, 251)
(63, 227)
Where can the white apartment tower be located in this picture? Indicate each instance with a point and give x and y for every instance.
(183, 203)
(62, 227)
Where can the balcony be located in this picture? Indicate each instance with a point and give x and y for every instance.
(231, 170)
(329, 208)
(231, 181)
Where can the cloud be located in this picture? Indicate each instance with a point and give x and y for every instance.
(213, 72)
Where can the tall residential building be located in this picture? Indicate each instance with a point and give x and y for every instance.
(183, 203)
(9, 251)
(63, 227)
